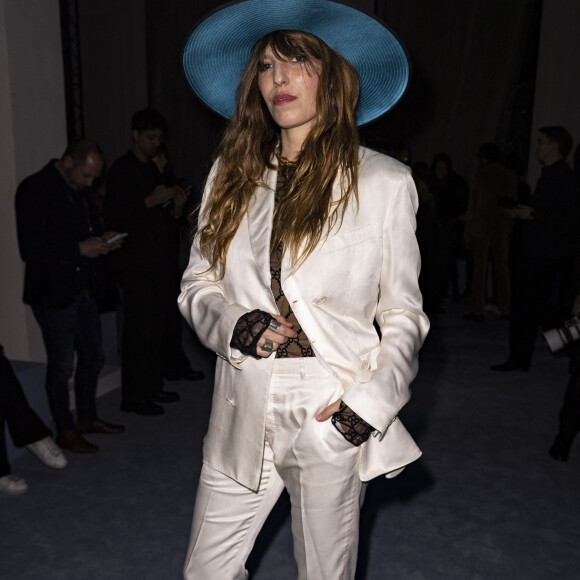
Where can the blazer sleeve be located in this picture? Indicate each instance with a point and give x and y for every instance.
(399, 314)
(202, 301)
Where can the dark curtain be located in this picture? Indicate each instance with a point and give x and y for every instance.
(466, 59)
(194, 130)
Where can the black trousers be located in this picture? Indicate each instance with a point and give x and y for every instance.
(539, 297)
(24, 424)
(151, 337)
(570, 412)
(72, 330)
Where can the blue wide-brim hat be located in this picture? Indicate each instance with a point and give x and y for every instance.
(219, 48)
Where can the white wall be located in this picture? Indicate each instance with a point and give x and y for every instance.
(557, 99)
(33, 122)
(33, 117)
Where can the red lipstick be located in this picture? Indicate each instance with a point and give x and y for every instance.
(282, 99)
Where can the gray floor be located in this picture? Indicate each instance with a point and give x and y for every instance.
(484, 502)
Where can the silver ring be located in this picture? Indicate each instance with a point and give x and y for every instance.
(274, 325)
(268, 346)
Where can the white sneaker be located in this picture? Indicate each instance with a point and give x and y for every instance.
(13, 485)
(48, 452)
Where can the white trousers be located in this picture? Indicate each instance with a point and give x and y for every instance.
(318, 467)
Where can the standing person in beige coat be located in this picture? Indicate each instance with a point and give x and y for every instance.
(488, 227)
(304, 239)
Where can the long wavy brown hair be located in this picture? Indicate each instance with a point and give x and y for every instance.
(251, 141)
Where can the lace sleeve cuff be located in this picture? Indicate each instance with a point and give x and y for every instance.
(248, 331)
(351, 426)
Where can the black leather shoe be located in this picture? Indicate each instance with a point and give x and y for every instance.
(142, 408)
(165, 397)
(507, 366)
(560, 450)
(76, 443)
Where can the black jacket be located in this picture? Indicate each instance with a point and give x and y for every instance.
(554, 230)
(52, 219)
(153, 239)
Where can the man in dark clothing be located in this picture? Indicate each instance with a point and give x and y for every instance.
(60, 237)
(569, 424)
(550, 246)
(139, 203)
(570, 412)
(451, 195)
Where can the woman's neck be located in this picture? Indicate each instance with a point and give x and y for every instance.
(292, 141)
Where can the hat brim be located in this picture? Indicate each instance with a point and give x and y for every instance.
(220, 46)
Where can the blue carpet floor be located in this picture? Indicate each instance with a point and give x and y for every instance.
(484, 502)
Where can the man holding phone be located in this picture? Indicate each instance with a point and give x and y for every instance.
(139, 202)
(60, 236)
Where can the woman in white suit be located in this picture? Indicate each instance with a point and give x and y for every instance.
(304, 239)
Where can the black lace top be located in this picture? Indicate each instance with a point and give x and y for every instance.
(252, 325)
(299, 346)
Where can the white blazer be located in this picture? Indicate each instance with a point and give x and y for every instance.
(365, 271)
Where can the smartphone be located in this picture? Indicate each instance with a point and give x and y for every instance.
(117, 238)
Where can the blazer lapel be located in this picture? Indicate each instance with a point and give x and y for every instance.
(287, 271)
(260, 215)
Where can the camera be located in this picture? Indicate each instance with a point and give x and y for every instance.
(558, 338)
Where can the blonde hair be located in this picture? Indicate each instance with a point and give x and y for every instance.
(252, 138)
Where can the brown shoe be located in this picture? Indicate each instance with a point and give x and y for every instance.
(99, 426)
(76, 443)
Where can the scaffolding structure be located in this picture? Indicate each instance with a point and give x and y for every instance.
(73, 80)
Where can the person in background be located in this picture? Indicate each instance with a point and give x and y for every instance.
(60, 236)
(487, 229)
(549, 251)
(570, 412)
(427, 238)
(26, 429)
(451, 194)
(569, 416)
(140, 203)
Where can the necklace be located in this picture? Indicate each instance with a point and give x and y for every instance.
(286, 162)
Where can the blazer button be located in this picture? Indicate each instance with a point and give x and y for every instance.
(320, 300)
(231, 402)
(364, 365)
